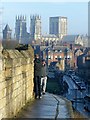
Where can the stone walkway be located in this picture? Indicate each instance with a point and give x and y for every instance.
(49, 106)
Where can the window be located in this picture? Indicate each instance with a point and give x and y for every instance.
(49, 57)
(56, 51)
(55, 57)
(60, 57)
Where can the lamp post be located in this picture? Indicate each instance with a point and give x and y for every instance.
(65, 54)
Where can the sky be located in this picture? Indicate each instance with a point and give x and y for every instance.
(76, 13)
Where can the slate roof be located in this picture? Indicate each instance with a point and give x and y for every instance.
(69, 38)
(7, 28)
(49, 36)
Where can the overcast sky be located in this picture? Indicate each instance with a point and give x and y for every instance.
(76, 12)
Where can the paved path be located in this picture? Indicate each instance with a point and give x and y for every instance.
(50, 106)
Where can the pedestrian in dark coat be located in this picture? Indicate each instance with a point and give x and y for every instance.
(37, 76)
(43, 77)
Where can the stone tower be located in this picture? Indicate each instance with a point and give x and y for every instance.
(20, 28)
(35, 27)
(58, 26)
(7, 33)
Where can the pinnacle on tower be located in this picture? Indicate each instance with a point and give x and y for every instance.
(21, 18)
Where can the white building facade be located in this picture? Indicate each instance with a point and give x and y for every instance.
(50, 38)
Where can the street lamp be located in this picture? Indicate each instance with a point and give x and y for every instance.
(65, 54)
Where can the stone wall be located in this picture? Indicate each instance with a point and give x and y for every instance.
(16, 81)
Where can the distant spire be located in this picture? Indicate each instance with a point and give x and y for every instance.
(7, 28)
(24, 17)
(18, 17)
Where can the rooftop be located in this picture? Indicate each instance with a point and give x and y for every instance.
(69, 38)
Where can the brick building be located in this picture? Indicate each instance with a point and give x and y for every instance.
(83, 63)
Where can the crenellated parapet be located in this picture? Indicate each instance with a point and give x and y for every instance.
(21, 18)
(35, 17)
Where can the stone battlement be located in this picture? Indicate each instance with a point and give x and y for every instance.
(16, 80)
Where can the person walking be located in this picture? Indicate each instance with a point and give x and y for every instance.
(37, 76)
(43, 77)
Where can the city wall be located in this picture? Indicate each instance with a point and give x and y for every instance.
(16, 80)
